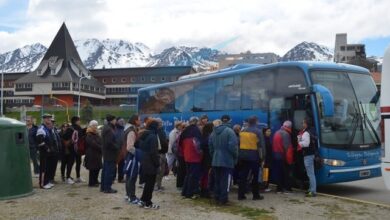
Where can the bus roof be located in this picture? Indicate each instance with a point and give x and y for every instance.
(244, 68)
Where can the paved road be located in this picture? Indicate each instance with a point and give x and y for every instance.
(372, 190)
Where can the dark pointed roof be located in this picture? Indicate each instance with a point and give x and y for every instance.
(61, 63)
(62, 46)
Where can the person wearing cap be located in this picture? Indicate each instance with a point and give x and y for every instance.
(190, 146)
(110, 153)
(251, 155)
(173, 143)
(224, 152)
(93, 154)
(282, 155)
(47, 144)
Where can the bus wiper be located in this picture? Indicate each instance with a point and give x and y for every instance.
(366, 121)
(355, 123)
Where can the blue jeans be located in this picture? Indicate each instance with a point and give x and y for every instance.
(192, 180)
(221, 186)
(107, 175)
(309, 166)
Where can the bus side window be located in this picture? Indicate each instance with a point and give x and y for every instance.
(256, 89)
(204, 96)
(228, 93)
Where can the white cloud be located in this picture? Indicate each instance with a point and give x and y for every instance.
(259, 26)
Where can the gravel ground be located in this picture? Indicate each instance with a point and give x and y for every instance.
(78, 201)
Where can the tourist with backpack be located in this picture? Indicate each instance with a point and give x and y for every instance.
(173, 144)
(132, 158)
(306, 143)
(192, 152)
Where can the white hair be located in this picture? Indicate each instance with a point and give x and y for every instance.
(93, 123)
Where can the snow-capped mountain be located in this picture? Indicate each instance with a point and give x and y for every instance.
(22, 59)
(110, 53)
(308, 51)
(198, 58)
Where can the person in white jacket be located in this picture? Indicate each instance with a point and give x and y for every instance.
(308, 150)
(173, 135)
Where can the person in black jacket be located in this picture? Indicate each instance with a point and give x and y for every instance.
(77, 140)
(93, 154)
(32, 133)
(207, 129)
(162, 150)
(110, 154)
(150, 162)
(67, 153)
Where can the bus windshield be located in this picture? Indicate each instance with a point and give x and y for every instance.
(356, 119)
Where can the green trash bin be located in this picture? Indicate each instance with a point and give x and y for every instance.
(15, 171)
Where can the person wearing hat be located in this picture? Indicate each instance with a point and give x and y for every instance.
(32, 133)
(224, 153)
(190, 146)
(93, 154)
(110, 154)
(48, 145)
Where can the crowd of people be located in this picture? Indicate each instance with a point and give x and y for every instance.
(206, 157)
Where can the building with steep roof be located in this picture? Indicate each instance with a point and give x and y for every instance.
(58, 75)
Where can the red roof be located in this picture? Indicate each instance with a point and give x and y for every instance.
(377, 77)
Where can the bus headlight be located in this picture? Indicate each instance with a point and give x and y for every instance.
(335, 163)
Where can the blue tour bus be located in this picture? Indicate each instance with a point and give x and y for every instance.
(341, 99)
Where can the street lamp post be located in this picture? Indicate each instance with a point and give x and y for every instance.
(2, 93)
(78, 105)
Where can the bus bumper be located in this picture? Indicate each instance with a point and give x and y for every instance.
(330, 174)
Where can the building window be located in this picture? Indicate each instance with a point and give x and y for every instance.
(123, 80)
(104, 81)
(142, 79)
(152, 79)
(133, 79)
(113, 80)
(163, 79)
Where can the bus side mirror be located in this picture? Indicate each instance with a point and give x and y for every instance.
(327, 97)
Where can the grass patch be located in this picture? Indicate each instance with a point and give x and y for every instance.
(235, 209)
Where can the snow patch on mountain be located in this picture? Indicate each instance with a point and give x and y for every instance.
(309, 51)
(22, 59)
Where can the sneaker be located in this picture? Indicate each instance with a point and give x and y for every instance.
(80, 180)
(267, 190)
(310, 194)
(166, 178)
(69, 181)
(47, 186)
(36, 175)
(279, 192)
(151, 206)
(141, 204)
(196, 196)
(135, 201)
(287, 192)
(50, 184)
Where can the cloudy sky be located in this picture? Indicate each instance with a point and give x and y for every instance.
(232, 26)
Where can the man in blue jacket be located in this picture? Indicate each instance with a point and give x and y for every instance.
(224, 153)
